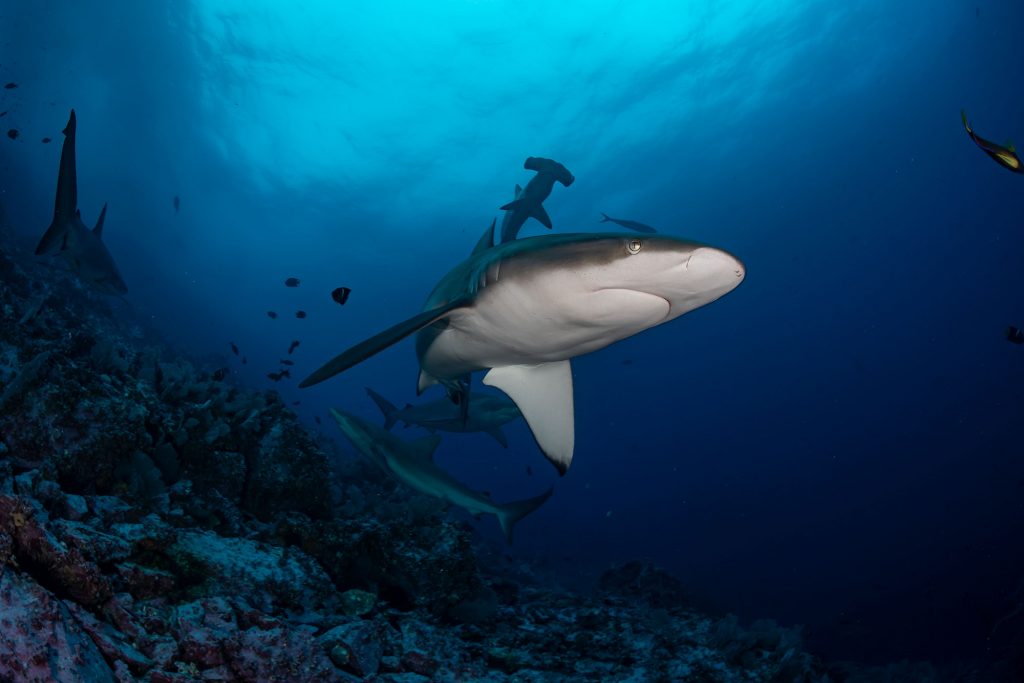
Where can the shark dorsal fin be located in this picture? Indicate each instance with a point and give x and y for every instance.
(486, 240)
(98, 230)
(425, 447)
(518, 191)
(544, 395)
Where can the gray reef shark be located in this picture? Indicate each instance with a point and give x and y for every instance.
(485, 413)
(82, 248)
(632, 225)
(529, 203)
(522, 309)
(411, 463)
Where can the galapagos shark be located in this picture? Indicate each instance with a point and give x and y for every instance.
(81, 247)
(632, 225)
(529, 203)
(522, 309)
(412, 463)
(485, 413)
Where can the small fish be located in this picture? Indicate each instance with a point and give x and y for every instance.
(46, 141)
(177, 203)
(295, 403)
(300, 314)
(287, 362)
(10, 86)
(1014, 335)
(234, 349)
(293, 346)
(340, 295)
(291, 282)
(1004, 156)
(244, 361)
(219, 374)
(13, 133)
(317, 418)
(272, 315)
(3, 114)
(278, 376)
(632, 225)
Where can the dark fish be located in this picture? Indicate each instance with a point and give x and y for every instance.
(317, 418)
(177, 203)
(220, 373)
(340, 295)
(13, 133)
(272, 315)
(1015, 335)
(278, 376)
(234, 349)
(10, 86)
(293, 346)
(632, 225)
(295, 403)
(300, 314)
(287, 362)
(3, 114)
(291, 282)
(244, 361)
(1004, 156)
(46, 141)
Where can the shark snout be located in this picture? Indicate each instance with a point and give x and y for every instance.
(715, 269)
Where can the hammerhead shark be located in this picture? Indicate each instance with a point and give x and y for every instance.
(522, 309)
(81, 247)
(530, 202)
(412, 464)
(485, 413)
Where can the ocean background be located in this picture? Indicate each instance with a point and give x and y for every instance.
(837, 443)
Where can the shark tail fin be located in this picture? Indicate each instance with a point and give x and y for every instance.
(67, 194)
(386, 407)
(604, 217)
(510, 513)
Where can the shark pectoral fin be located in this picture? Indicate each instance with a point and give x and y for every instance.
(510, 513)
(499, 436)
(98, 230)
(541, 215)
(544, 396)
(54, 239)
(380, 341)
(486, 240)
(423, 381)
(511, 206)
(425, 446)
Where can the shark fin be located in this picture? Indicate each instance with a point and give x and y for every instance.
(381, 341)
(604, 217)
(544, 396)
(541, 215)
(424, 381)
(499, 436)
(510, 513)
(67, 193)
(386, 407)
(511, 206)
(425, 447)
(518, 190)
(486, 240)
(98, 230)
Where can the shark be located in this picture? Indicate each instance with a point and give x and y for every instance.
(82, 248)
(485, 413)
(626, 223)
(529, 203)
(521, 310)
(412, 463)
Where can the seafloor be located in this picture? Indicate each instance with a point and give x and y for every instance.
(160, 523)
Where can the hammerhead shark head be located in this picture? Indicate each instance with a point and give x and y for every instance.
(81, 247)
(522, 309)
(412, 464)
(530, 202)
(485, 413)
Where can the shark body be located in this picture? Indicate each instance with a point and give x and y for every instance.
(529, 203)
(485, 413)
(522, 309)
(412, 464)
(82, 248)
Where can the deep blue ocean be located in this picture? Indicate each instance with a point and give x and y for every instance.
(838, 443)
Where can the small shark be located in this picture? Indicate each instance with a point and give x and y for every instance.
(530, 201)
(632, 225)
(522, 309)
(81, 247)
(411, 462)
(485, 413)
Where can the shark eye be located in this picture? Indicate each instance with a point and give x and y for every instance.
(634, 246)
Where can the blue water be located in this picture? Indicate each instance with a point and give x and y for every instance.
(837, 443)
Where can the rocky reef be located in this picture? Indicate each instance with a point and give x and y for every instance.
(160, 523)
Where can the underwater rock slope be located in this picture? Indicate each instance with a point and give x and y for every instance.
(159, 523)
